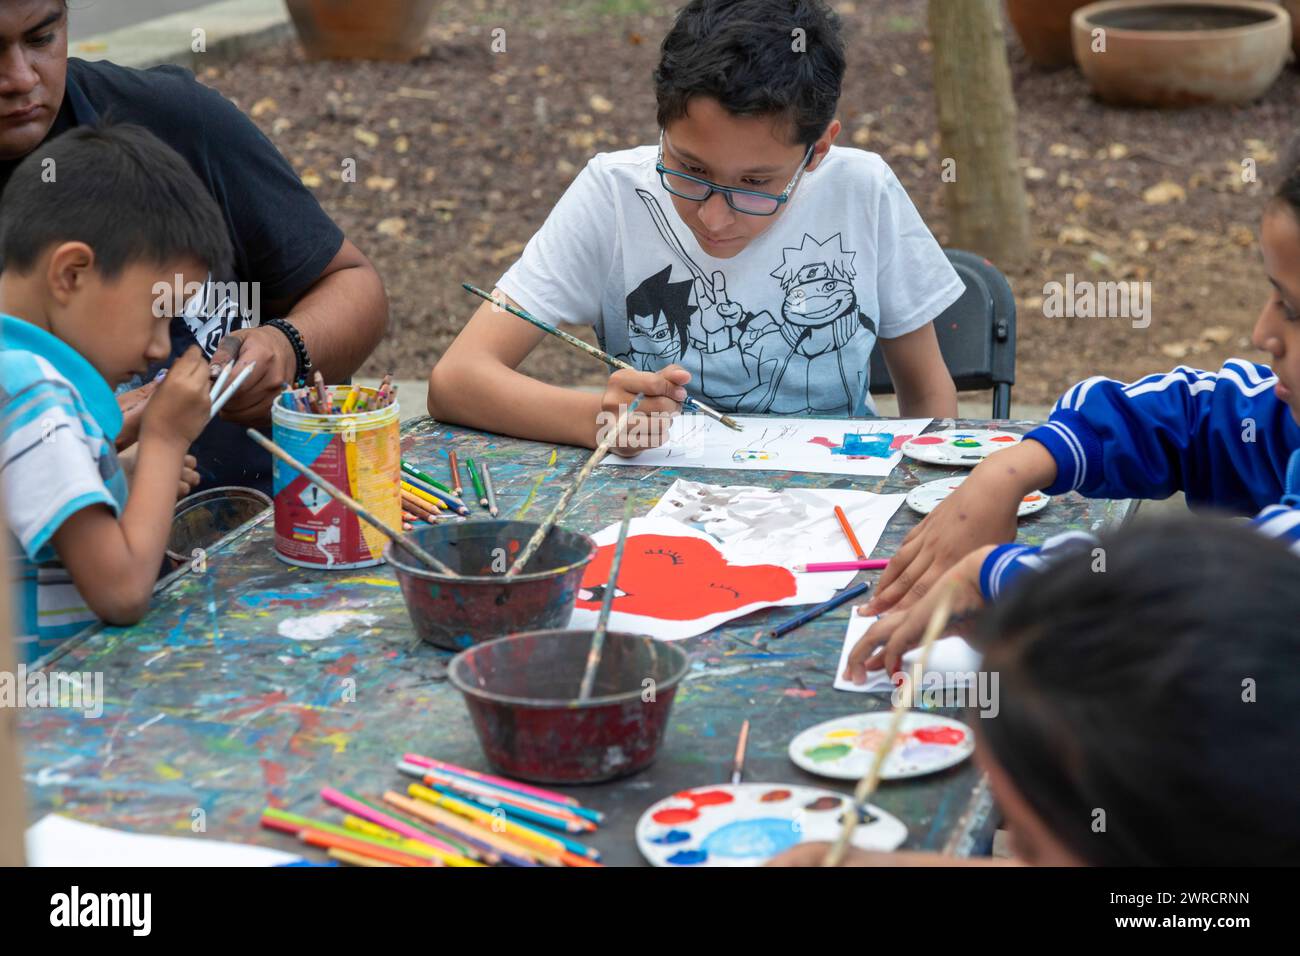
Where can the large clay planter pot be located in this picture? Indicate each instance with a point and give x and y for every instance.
(1293, 8)
(1044, 29)
(349, 30)
(1176, 53)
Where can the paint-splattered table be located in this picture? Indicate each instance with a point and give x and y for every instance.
(252, 682)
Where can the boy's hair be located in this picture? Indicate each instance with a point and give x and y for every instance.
(120, 190)
(747, 55)
(1289, 191)
(1131, 692)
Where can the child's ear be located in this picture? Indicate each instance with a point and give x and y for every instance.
(823, 144)
(68, 270)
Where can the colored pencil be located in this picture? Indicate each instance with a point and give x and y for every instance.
(230, 391)
(295, 824)
(479, 491)
(504, 849)
(564, 824)
(567, 494)
(523, 831)
(381, 395)
(391, 397)
(869, 564)
(458, 845)
(435, 504)
(467, 785)
(352, 505)
(606, 606)
(220, 382)
(364, 848)
(324, 404)
(510, 802)
(848, 533)
(350, 403)
(813, 613)
(456, 488)
(594, 352)
(549, 795)
(444, 851)
(418, 508)
(867, 785)
(489, 491)
(738, 767)
(414, 472)
(450, 500)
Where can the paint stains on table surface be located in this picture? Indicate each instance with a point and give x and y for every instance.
(257, 682)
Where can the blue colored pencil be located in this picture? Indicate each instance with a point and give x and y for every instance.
(815, 612)
(511, 811)
(451, 501)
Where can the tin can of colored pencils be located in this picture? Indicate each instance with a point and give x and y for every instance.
(359, 452)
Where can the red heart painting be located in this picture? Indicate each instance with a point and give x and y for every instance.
(681, 579)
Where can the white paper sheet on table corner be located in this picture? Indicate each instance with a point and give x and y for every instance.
(950, 656)
(811, 588)
(819, 445)
(788, 527)
(57, 840)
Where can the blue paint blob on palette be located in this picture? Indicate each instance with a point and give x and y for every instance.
(749, 823)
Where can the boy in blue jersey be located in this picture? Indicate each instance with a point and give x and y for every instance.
(91, 224)
(1228, 439)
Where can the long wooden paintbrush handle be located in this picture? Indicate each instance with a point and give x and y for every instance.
(608, 442)
(399, 539)
(606, 605)
(867, 786)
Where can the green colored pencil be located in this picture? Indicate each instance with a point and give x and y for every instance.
(594, 352)
(412, 470)
(474, 478)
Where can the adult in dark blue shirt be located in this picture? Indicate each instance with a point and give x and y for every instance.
(297, 264)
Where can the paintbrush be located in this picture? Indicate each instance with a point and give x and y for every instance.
(399, 539)
(738, 768)
(229, 392)
(595, 352)
(815, 612)
(867, 785)
(566, 496)
(606, 605)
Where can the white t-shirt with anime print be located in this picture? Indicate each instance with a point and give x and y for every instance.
(784, 327)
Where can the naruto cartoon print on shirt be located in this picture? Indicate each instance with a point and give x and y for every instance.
(811, 360)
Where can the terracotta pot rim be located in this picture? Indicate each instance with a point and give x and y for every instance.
(1274, 16)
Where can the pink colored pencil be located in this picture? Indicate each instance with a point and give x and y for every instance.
(344, 802)
(871, 564)
(502, 782)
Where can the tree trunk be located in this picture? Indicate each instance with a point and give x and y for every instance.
(984, 189)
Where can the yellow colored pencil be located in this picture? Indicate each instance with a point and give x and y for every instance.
(483, 817)
(423, 495)
(350, 402)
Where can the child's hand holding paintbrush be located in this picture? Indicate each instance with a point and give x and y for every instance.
(648, 426)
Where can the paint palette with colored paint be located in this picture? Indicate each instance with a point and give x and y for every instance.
(925, 498)
(844, 748)
(747, 824)
(965, 447)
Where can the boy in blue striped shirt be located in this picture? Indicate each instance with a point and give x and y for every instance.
(1229, 439)
(92, 225)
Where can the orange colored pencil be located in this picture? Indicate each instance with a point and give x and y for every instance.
(848, 533)
(419, 509)
(355, 859)
(372, 850)
(456, 488)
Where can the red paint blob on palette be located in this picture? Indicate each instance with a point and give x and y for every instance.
(1003, 438)
(705, 798)
(939, 735)
(927, 440)
(675, 815)
(775, 796)
(824, 803)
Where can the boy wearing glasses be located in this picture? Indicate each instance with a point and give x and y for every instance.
(742, 259)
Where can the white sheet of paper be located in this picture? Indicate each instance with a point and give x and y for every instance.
(62, 841)
(790, 527)
(821, 445)
(950, 656)
(809, 588)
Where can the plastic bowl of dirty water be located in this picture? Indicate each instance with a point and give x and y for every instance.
(522, 693)
(201, 520)
(482, 604)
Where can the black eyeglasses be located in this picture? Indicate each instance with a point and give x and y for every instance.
(749, 201)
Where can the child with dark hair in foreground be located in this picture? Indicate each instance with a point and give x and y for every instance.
(1146, 713)
(91, 226)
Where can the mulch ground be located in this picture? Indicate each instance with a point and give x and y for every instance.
(460, 154)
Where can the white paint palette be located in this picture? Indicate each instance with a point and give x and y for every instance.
(749, 823)
(964, 447)
(845, 747)
(925, 498)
